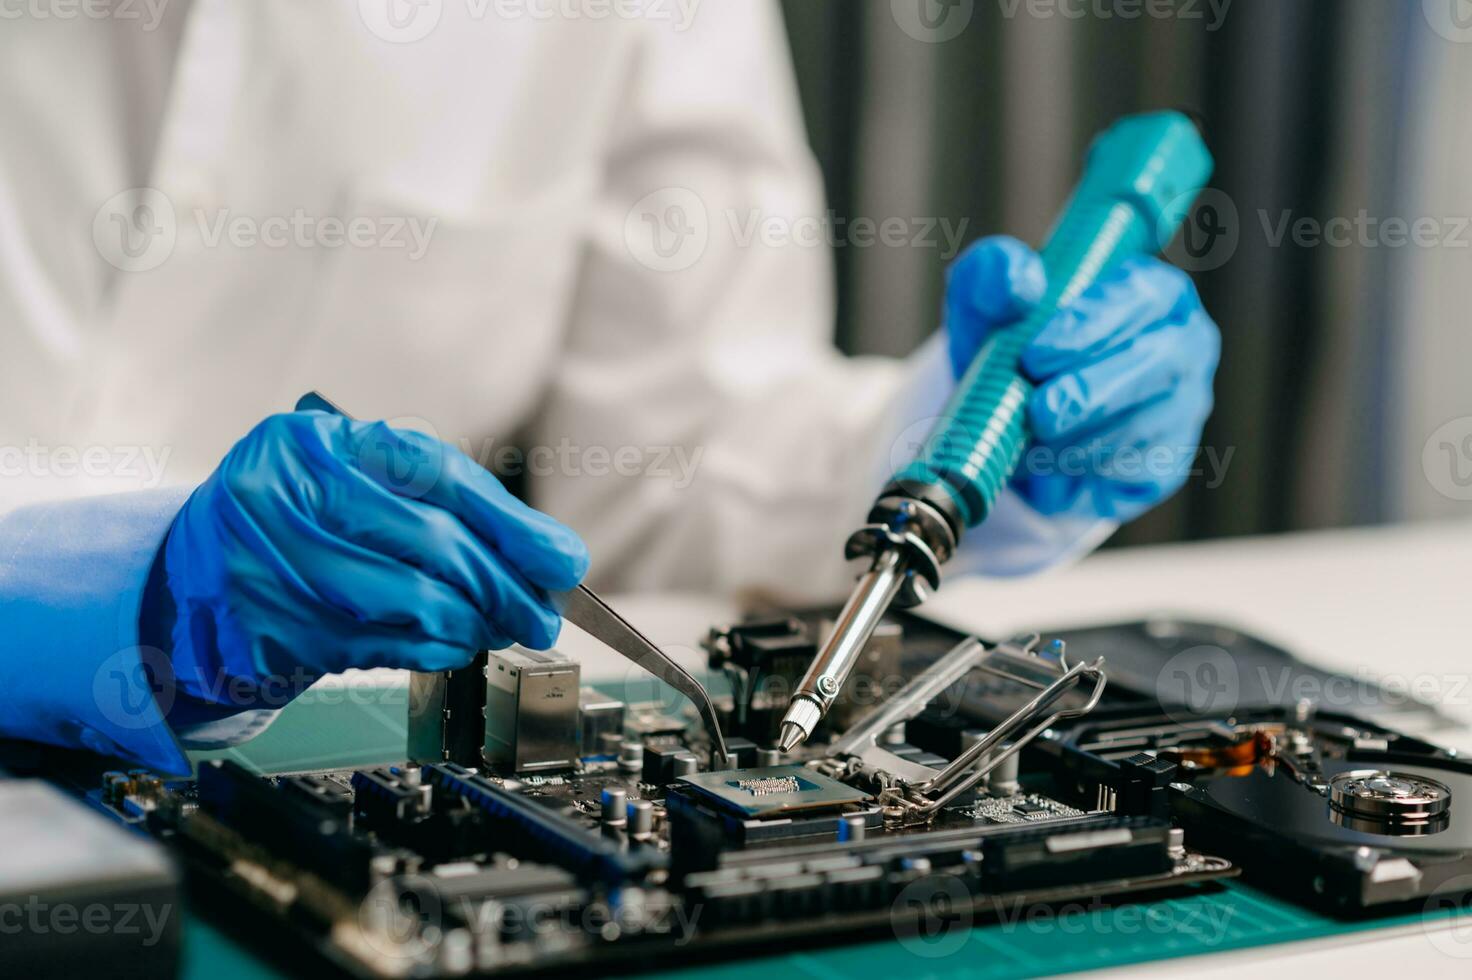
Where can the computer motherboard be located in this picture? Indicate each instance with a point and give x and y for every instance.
(541, 825)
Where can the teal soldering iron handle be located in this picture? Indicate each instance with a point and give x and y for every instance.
(1139, 181)
(1140, 178)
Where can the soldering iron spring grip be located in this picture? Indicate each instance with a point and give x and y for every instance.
(1139, 182)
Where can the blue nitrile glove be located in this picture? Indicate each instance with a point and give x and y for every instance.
(323, 543)
(1123, 377)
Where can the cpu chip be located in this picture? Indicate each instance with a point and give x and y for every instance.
(771, 791)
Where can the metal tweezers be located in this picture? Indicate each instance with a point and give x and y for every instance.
(582, 608)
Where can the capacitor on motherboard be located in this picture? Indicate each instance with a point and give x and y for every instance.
(969, 738)
(641, 819)
(1003, 779)
(631, 756)
(115, 786)
(768, 757)
(615, 802)
(684, 764)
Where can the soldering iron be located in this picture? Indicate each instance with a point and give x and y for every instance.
(1139, 180)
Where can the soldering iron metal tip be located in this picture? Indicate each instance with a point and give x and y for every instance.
(801, 717)
(791, 736)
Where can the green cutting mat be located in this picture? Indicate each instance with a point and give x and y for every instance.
(1233, 917)
(365, 726)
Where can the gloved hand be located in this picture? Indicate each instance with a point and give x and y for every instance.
(1123, 376)
(322, 543)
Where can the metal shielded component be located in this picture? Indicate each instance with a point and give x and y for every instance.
(446, 714)
(531, 715)
(772, 791)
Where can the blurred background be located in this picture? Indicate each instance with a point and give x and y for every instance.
(1335, 251)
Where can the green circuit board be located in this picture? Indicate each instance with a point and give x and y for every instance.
(330, 729)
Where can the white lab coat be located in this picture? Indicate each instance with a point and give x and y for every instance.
(541, 153)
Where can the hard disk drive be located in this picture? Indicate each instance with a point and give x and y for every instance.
(1326, 809)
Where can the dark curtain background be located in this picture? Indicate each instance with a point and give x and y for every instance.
(1301, 102)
